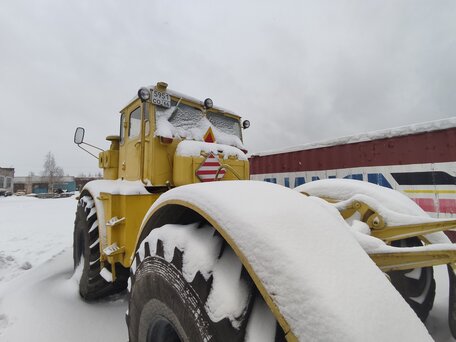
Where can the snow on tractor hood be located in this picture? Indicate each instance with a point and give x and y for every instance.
(190, 148)
(300, 249)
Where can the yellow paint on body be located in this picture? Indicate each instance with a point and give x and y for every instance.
(130, 210)
(409, 260)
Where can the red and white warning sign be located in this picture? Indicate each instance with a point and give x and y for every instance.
(208, 169)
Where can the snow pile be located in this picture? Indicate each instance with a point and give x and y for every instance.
(321, 280)
(191, 126)
(116, 187)
(44, 305)
(188, 148)
(28, 237)
(429, 126)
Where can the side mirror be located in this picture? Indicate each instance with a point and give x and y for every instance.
(79, 135)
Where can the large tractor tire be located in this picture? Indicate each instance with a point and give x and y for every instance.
(86, 255)
(188, 285)
(416, 286)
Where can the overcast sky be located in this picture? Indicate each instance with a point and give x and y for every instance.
(300, 71)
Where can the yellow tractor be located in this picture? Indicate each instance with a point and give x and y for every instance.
(208, 255)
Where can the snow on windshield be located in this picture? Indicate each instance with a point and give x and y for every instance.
(225, 123)
(185, 122)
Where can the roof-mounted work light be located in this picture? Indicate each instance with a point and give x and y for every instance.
(144, 94)
(208, 104)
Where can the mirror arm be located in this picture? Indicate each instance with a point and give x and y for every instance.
(82, 148)
(91, 146)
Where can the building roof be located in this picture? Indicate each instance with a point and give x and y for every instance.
(41, 179)
(423, 127)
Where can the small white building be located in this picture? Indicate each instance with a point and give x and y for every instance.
(6, 180)
(41, 185)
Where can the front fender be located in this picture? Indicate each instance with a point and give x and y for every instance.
(312, 273)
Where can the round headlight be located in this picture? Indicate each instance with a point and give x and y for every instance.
(208, 103)
(246, 124)
(144, 94)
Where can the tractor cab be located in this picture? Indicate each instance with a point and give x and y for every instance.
(168, 139)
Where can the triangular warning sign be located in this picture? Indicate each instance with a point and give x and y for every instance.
(209, 169)
(209, 136)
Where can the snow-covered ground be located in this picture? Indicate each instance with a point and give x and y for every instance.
(39, 299)
(32, 231)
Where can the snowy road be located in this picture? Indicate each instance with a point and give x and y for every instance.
(39, 300)
(44, 305)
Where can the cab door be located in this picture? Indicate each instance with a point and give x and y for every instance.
(130, 142)
(131, 149)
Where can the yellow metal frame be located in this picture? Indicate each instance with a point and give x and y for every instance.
(394, 233)
(130, 211)
(400, 260)
(368, 215)
(409, 260)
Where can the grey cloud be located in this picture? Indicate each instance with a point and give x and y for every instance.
(301, 71)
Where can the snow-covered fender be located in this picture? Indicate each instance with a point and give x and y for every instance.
(314, 276)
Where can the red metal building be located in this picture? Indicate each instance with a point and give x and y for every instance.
(419, 160)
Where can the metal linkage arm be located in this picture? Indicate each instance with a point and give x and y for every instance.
(414, 259)
(394, 233)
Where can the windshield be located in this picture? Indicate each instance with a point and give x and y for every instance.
(184, 121)
(225, 123)
(185, 117)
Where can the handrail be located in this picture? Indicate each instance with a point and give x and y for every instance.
(229, 168)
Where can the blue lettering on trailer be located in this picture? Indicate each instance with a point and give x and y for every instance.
(357, 176)
(378, 178)
(299, 181)
(375, 178)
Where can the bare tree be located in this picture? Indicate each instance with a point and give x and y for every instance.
(51, 171)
